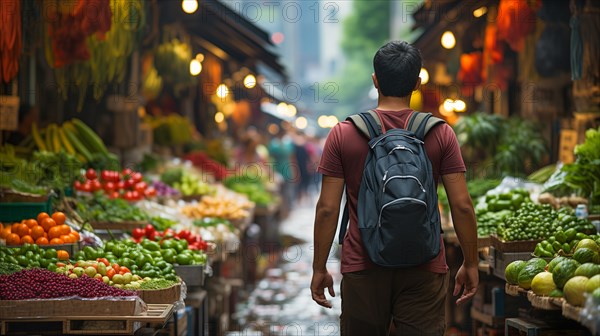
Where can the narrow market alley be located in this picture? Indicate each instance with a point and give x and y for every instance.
(280, 303)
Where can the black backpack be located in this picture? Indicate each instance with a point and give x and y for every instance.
(398, 214)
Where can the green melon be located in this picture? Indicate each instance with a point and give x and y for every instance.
(588, 270)
(564, 271)
(588, 243)
(542, 284)
(593, 283)
(596, 296)
(556, 293)
(585, 255)
(555, 262)
(574, 290)
(511, 273)
(529, 272)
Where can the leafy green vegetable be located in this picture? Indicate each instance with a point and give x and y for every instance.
(583, 175)
(102, 209)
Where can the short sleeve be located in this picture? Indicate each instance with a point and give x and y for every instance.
(452, 161)
(331, 159)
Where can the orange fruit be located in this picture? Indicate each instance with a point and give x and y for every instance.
(64, 229)
(42, 241)
(13, 239)
(47, 223)
(62, 255)
(54, 232)
(1, 226)
(27, 240)
(56, 241)
(21, 229)
(75, 236)
(5, 232)
(59, 218)
(67, 239)
(31, 223)
(41, 216)
(37, 232)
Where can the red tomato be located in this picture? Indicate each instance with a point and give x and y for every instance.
(111, 272)
(149, 229)
(137, 233)
(136, 195)
(137, 177)
(114, 176)
(109, 187)
(129, 184)
(141, 187)
(183, 234)
(126, 173)
(96, 185)
(128, 196)
(120, 185)
(114, 194)
(90, 174)
(105, 175)
(77, 185)
(150, 192)
(87, 186)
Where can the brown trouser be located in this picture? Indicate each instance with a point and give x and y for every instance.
(376, 301)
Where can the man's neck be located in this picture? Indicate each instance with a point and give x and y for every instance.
(393, 103)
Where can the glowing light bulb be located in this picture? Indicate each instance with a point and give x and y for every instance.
(424, 76)
(448, 40)
(222, 91)
(195, 67)
(301, 123)
(219, 117)
(250, 81)
(189, 6)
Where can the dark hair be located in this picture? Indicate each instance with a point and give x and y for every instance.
(397, 65)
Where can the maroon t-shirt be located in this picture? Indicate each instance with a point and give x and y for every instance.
(344, 157)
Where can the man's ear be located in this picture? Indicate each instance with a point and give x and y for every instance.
(375, 81)
(418, 84)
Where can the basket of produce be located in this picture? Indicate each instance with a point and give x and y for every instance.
(160, 291)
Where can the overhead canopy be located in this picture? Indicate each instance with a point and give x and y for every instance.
(224, 33)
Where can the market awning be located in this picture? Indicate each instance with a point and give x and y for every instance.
(225, 33)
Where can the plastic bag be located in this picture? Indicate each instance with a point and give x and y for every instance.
(590, 314)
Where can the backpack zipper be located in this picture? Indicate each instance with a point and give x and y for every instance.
(396, 201)
(402, 148)
(404, 135)
(402, 176)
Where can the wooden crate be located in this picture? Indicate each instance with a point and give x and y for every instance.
(70, 307)
(499, 260)
(89, 325)
(567, 142)
(166, 295)
(513, 246)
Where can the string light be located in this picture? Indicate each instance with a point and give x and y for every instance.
(189, 6)
(301, 123)
(195, 67)
(219, 117)
(250, 81)
(222, 91)
(448, 40)
(424, 76)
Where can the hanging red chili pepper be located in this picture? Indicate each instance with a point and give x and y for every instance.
(10, 39)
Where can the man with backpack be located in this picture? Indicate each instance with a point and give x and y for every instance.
(389, 161)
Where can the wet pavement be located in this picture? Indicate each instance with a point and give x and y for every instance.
(280, 303)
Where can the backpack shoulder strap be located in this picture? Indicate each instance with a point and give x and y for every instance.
(368, 123)
(421, 123)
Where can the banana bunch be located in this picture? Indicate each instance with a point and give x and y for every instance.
(152, 84)
(73, 137)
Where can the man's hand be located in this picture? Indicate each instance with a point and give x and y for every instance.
(467, 280)
(320, 281)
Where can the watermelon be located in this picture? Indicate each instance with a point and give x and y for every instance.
(564, 271)
(588, 270)
(511, 273)
(585, 255)
(555, 262)
(532, 268)
(542, 284)
(574, 289)
(593, 283)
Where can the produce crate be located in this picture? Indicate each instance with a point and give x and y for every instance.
(70, 307)
(16, 212)
(541, 302)
(165, 295)
(513, 246)
(571, 312)
(192, 275)
(88, 325)
(9, 113)
(499, 260)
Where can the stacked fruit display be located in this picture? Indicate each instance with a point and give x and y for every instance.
(31, 255)
(127, 184)
(73, 137)
(218, 207)
(44, 230)
(195, 241)
(187, 183)
(101, 270)
(492, 210)
(568, 277)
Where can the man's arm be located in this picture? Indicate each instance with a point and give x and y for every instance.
(326, 219)
(465, 224)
